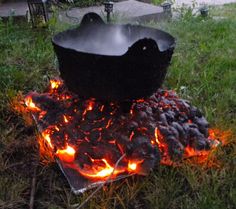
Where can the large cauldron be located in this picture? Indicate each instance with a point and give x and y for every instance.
(113, 62)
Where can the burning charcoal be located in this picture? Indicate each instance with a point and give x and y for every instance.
(46, 102)
(132, 125)
(202, 125)
(170, 116)
(125, 106)
(186, 104)
(151, 127)
(182, 133)
(140, 116)
(194, 112)
(71, 131)
(139, 107)
(149, 110)
(175, 148)
(178, 127)
(106, 135)
(107, 151)
(200, 143)
(165, 130)
(163, 119)
(149, 163)
(52, 117)
(138, 140)
(183, 118)
(77, 117)
(83, 159)
(100, 133)
(154, 98)
(194, 132)
(188, 126)
(124, 145)
(183, 105)
(94, 135)
(84, 147)
(145, 155)
(85, 126)
(174, 132)
(93, 115)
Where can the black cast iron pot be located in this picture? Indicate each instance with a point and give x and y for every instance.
(113, 62)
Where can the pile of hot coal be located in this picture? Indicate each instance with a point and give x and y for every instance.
(92, 136)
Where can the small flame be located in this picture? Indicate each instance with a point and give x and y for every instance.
(190, 151)
(109, 123)
(42, 114)
(140, 100)
(67, 154)
(101, 169)
(102, 108)
(56, 128)
(46, 136)
(132, 166)
(158, 138)
(55, 84)
(90, 106)
(131, 135)
(65, 119)
(30, 104)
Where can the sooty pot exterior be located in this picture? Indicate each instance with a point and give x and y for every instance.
(135, 74)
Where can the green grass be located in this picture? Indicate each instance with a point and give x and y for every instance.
(203, 70)
(203, 67)
(157, 2)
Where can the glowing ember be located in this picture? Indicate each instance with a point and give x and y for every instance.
(132, 166)
(46, 135)
(90, 136)
(190, 151)
(55, 84)
(65, 119)
(67, 154)
(101, 169)
(30, 104)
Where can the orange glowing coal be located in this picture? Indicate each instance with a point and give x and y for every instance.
(159, 140)
(66, 120)
(190, 152)
(78, 132)
(67, 154)
(133, 166)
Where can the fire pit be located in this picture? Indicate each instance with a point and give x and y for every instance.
(82, 120)
(88, 137)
